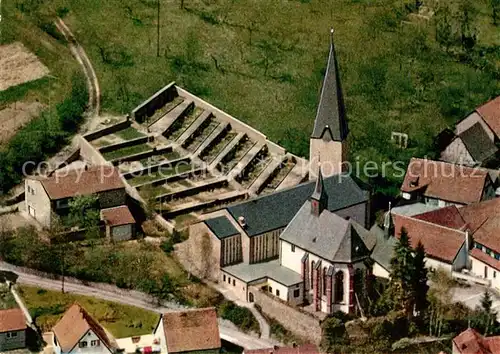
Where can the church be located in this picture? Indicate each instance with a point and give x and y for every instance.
(307, 246)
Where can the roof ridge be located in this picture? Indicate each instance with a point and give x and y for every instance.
(430, 223)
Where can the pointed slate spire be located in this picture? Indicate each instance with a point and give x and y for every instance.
(319, 198)
(331, 120)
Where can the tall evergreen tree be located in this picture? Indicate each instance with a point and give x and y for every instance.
(488, 312)
(402, 275)
(420, 279)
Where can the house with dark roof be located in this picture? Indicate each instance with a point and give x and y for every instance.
(440, 183)
(12, 329)
(78, 332)
(476, 137)
(51, 195)
(188, 331)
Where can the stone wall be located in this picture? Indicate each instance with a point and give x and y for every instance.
(108, 130)
(124, 144)
(158, 100)
(294, 319)
(90, 154)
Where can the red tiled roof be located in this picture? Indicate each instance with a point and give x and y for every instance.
(75, 182)
(117, 216)
(441, 180)
(485, 258)
(12, 320)
(448, 216)
(490, 112)
(191, 330)
(471, 342)
(73, 326)
(477, 213)
(439, 242)
(301, 349)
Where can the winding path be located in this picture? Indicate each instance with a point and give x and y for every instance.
(128, 297)
(78, 52)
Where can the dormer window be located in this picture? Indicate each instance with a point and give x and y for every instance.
(414, 182)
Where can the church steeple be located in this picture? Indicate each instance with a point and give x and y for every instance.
(331, 123)
(319, 198)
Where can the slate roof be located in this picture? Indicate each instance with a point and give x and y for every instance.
(117, 216)
(490, 112)
(384, 248)
(272, 269)
(221, 227)
(445, 181)
(74, 324)
(12, 320)
(75, 182)
(478, 143)
(328, 235)
(191, 330)
(331, 113)
(275, 211)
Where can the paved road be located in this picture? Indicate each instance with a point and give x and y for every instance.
(471, 297)
(108, 292)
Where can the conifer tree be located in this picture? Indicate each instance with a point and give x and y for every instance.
(488, 312)
(420, 278)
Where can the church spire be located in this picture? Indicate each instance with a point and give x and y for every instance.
(319, 198)
(331, 120)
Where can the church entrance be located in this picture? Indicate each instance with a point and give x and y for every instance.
(250, 297)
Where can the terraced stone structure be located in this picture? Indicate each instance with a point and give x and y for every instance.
(181, 156)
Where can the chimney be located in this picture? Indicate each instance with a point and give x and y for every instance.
(242, 222)
(387, 222)
(86, 167)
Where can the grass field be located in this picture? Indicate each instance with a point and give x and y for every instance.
(263, 62)
(47, 307)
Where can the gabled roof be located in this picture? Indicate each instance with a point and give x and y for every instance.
(12, 320)
(485, 258)
(328, 235)
(448, 216)
(476, 214)
(191, 330)
(471, 342)
(275, 211)
(74, 324)
(117, 216)
(300, 349)
(331, 120)
(440, 242)
(490, 112)
(478, 143)
(70, 183)
(445, 181)
(221, 227)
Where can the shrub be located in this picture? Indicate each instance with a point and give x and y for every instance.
(240, 316)
(62, 11)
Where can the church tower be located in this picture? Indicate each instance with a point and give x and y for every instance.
(319, 198)
(328, 139)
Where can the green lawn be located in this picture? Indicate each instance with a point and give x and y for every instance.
(161, 173)
(129, 134)
(263, 62)
(47, 307)
(131, 150)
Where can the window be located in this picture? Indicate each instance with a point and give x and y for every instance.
(224, 277)
(95, 343)
(83, 344)
(485, 271)
(270, 290)
(494, 274)
(11, 334)
(234, 282)
(324, 281)
(229, 280)
(296, 293)
(63, 203)
(339, 287)
(312, 274)
(292, 247)
(277, 292)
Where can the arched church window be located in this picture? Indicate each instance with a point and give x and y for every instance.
(312, 274)
(324, 281)
(339, 286)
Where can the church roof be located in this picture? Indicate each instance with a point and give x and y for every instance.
(328, 235)
(331, 113)
(274, 211)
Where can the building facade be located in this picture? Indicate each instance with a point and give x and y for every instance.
(12, 329)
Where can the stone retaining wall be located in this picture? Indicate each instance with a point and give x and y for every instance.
(124, 144)
(91, 154)
(158, 100)
(108, 130)
(297, 321)
(142, 155)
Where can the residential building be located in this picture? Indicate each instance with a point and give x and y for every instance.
(12, 329)
(78, 332)
(296, 349)
(472, 342)
(48, 196)
(439, 183)
(188, 331)
(328, 141)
